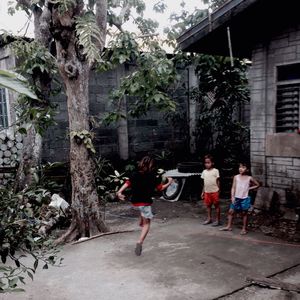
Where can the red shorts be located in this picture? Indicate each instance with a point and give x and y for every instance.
(211, 198)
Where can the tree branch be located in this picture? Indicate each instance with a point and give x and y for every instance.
(24, 3)
(125, 9)
(44, 27)
(147, 35)
(101, 19)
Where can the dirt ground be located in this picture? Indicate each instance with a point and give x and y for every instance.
(182, 259)
(120, 215)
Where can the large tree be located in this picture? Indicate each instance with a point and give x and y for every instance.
(77, 31)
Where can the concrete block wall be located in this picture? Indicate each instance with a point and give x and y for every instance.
(275, 158)
(126, 139)
(152, 132)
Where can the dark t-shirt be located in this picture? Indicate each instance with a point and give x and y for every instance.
(143, 186)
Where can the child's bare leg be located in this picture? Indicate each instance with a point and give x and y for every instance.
(209, 213)
(218, 215)
(145, 230)
(141, 222)
(229, 223)
(245, 223)
(230, 218)
(208, 220)
(218, 212)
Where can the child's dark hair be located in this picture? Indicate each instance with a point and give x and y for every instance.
(210, 157)
(146, 164)
(247, 165)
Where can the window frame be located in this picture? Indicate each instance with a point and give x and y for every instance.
(282, 84)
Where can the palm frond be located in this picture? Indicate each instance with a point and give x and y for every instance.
(16, 83)
(89, 37)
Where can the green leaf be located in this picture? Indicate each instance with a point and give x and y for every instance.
(21, 278)
(36, 263)
(89, 36)
(13, 282)
(17, 263)
(16, 83)
(18, 290)
(30, 275)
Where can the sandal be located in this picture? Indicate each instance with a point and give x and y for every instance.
(225, 229)
(207, 222)
(138, 249)
(216, 224)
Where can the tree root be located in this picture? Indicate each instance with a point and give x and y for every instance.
(78, 230)
(102, 234)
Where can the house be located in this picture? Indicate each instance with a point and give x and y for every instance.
(268, 34)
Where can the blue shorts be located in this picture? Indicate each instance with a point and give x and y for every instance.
(146, 211)
(241, 204)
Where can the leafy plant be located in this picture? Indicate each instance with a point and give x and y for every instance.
(84, 137)
(221, 92)
(63, 5)
(37, 63)
(89, 34)
(19, 238)
(16, 83)
(108, 179)
(147, 86)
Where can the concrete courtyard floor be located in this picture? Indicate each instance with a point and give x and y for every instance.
(182, 259)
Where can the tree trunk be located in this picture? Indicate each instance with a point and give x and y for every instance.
(86, 215)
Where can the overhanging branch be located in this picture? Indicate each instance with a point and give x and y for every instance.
(24, 3)
(101, 19)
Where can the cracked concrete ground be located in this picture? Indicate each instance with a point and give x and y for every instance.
(182, 259)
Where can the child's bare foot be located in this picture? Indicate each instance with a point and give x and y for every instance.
(207, 222)
(226, 229)
(138, 249)
(216, 224)
(243, 232)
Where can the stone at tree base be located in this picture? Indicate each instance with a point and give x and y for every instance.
(290, 214)
(263, 198)
(281, 194)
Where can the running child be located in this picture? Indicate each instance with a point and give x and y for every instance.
(143, 184)
(240, 200)
(211, 189)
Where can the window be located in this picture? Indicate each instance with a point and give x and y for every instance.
(3, 109)
(288, 98)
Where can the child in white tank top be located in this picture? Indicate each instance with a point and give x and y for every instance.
(240, 200)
